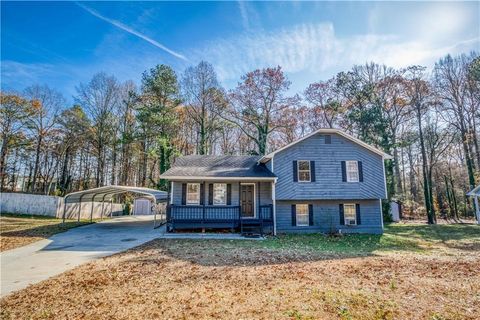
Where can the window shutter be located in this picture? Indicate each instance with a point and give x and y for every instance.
(328, 139)
(229, 194)
(210, 194)
(360, 171)
(312, 171)
(357, 208)
(294, 215)
(310, 214)
(202, 194)
(344, 171)
(295, 172)
(184, 194)
(342, 216)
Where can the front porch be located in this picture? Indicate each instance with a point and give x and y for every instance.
(244, 206)
(180, 217)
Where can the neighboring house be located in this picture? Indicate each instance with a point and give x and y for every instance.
(327, 181)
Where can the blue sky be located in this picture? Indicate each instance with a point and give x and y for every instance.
(64, 43)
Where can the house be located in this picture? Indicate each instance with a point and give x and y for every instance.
(327, 181)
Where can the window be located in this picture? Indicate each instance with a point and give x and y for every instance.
(352, 171)
(350, 214)
(193, 193)
(219, 194)
(304, 171)
(302, 215)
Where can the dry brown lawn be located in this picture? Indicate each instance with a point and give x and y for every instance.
(411, 272)
(17, 230)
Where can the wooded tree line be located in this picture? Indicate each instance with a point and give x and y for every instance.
(118, 133)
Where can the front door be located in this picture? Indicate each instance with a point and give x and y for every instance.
(247, 194)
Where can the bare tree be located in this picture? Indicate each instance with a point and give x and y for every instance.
(258, 102)
(100, 98)
(204, 99)
(47, 104)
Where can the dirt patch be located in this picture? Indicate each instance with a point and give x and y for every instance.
(204, 279)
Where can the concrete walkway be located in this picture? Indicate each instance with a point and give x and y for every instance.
(46, 258)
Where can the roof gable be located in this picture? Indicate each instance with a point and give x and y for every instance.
(384, 155)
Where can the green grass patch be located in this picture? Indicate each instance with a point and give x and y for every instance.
(397, 237)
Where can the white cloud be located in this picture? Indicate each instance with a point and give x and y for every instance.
(315, 48)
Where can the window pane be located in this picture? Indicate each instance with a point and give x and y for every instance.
(304, 176)
(219, 193)
(352, 171)
(350, 214)
(304, 165)
(193, 193)
(302, 214)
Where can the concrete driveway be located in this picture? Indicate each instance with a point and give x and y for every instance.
(43, 259)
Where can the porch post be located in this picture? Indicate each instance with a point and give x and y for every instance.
(202, 194)
(274, 208)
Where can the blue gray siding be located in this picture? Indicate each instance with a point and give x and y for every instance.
(326, 217)
(328, 172)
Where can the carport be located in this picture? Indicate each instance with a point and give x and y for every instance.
(106, 194)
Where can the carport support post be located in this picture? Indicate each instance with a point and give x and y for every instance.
(111, 207)
(91, 209)
(64, 209)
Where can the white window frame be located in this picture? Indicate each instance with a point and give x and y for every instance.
(224, 194)
(309, 171)
(345, 219)
(348, 172)
(187, 202)
(297, 214)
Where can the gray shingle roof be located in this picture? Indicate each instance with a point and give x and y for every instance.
(218, 166)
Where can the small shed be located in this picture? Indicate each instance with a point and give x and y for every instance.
(142, 206)
(475, 193)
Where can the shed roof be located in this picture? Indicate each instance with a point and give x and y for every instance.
(106, 193)
(232, 167)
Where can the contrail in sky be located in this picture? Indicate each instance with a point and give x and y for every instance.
(120, 25)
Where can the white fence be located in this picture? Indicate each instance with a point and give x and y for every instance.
(22, 203)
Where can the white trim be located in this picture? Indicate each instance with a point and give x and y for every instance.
(198, 192)
(381, 211)
(339, 132)
(309, 171)
(384, 178)
(200, 179)
(254, 199)
(344, 211)
(346, 171)
(171, 192)
(274, 208)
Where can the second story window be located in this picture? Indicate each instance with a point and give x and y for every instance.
(193, 193)
(352, 171)
(304, 171)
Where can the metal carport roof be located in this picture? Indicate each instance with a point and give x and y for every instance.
(106, 194)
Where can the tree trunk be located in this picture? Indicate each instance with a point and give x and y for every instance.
(37, 162)
(3, 160)
(398, 176)
(426, 181)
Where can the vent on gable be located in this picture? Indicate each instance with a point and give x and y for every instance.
(328, 139)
